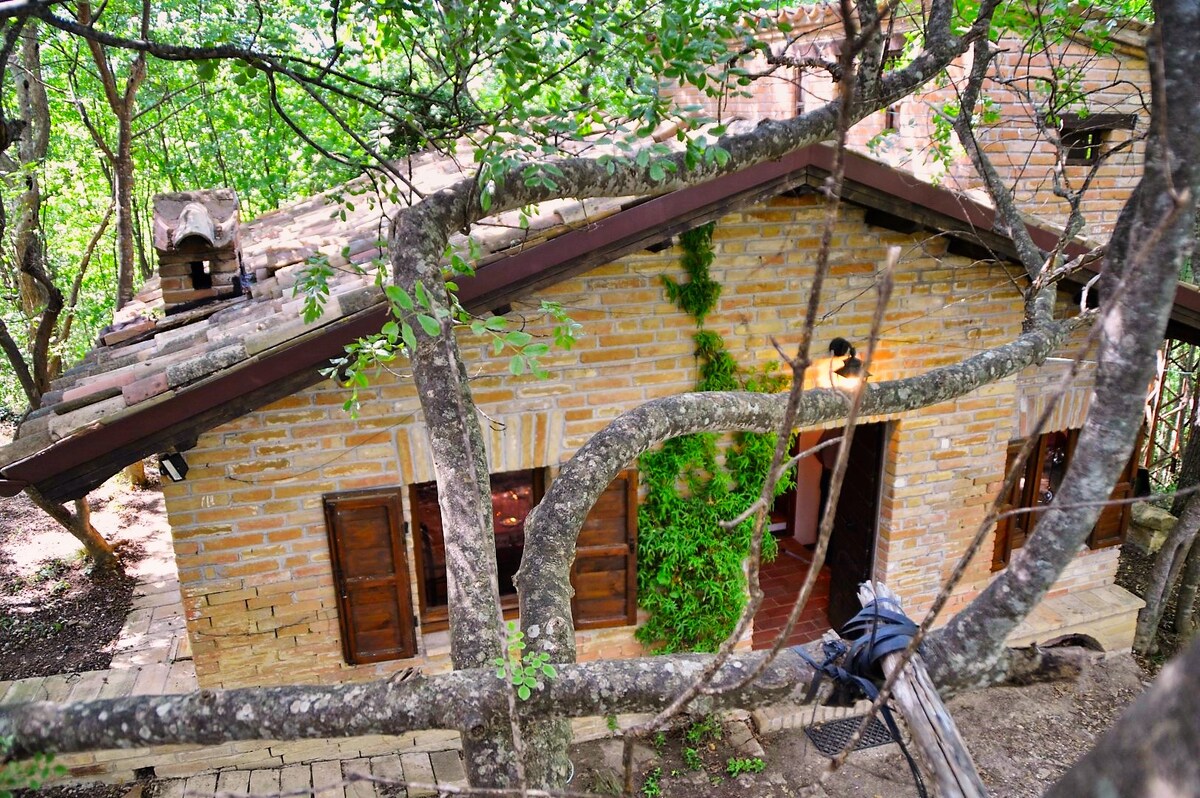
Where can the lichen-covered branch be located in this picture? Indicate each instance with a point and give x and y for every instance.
(466, 700)
(553, 526)
(463, 699)
(1153, 234)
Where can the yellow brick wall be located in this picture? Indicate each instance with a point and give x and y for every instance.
(1114, 82)
(250, 534)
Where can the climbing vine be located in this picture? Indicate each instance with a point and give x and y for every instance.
(691, 579)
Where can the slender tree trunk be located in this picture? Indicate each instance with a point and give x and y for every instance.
(123, 189)
(464, 491)
(122, 103)
(1166, 570)
(27, 228)
(1189, 472)
(79, 524)
(1185, 603)
(136, 471)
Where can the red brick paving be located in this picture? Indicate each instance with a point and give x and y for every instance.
(781, 582)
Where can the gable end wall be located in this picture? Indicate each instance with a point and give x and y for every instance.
(250, 535)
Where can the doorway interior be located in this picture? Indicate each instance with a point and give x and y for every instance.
(795, 518)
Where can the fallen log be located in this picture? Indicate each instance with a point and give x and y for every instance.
(940, 748)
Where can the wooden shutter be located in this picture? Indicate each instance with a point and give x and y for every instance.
(1012, 527)
(1114, 519)
(370, 574)
(605, 571)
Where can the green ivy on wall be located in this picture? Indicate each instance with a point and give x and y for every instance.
(690, 570)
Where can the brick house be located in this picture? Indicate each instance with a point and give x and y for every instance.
(1112, 82)
(307, 543)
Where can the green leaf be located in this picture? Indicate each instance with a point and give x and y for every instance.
(399, 296)
(207, 70)
(516, 365)
(423, 296)
(429, 324)
(496, 323)
(549, 672)
(524, 692)
(410, 338)
(517, 338)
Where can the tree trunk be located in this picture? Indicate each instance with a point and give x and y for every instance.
(464, 489)
(136, 471)
(1167, 565)
(1185, 603)
(1141, 270)
(123, 189)
(34, 108)
(1151, 750)
(1189, 472)
(99, 550)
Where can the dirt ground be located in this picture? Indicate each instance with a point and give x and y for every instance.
(56, 616)
(1022, 738)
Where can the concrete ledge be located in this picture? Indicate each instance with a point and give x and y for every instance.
(1107, 613)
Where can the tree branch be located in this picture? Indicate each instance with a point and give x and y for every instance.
(463, 699)
(552, 527)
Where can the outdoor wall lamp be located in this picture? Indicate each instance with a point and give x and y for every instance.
(850, 374)
(173, 466)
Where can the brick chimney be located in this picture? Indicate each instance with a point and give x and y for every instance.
(196, 238)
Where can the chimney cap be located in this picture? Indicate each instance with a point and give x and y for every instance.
(195, 228)
(194, 221)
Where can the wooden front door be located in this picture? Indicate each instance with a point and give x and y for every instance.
(852, 545)
(370, 572)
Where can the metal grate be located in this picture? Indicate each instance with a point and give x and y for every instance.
(831, 737)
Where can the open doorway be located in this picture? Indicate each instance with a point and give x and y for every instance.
(795, 518)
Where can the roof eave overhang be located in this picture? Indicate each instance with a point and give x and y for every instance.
(71, 467)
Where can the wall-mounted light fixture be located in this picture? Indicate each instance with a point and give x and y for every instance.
(850, 375)
(173, 466)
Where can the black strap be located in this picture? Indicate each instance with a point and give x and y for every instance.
(873, 633)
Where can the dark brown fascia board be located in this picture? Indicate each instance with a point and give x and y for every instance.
(71, 467)
(74, 465)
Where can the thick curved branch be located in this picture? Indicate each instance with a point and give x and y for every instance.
(19, 366)
(464, 700)
(552, 527)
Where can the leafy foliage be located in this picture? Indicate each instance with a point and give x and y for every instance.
(525, 673)
(736, 766)
(699, 295)
(690, 575)
(25, 774)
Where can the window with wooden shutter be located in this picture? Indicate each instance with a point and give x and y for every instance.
(605, 571)
(604, 574)
(1013, 526)
(1114, 519)
(370, 573)
(1039, 484)
(514, 494)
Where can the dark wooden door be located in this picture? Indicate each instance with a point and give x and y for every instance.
(371, 577)
(604, 574)
(852, 545)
